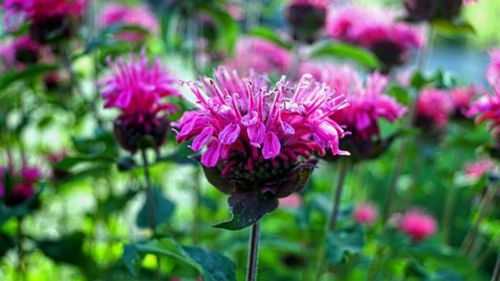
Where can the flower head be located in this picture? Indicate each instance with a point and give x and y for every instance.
(477, 169)
(434, 106)
(306, 18)
(425, 10)
(23, 50)
(462, 98)
(138, 89)
(417, 225)
(365, 213)
(266, 57)
(21, 183)
(245, 117)
(45, 16)
(131, 15)
(376, 30)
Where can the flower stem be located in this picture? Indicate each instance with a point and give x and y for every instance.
(150, 203)
(332, 219)
(20, 249)
(197, 207)
(253, 252)
(485, 205)
(496, 271)
(339, 190)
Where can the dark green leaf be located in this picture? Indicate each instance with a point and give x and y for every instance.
(125, 163)
(271, 36)
(227, 27)
(345, 51)
(6, 243)
(66, 249)
(344, 242)
(247, 208)
(212, 266)
(117, 203)
(449, 28)
(164, 209)
(399, 93)
(31, 71)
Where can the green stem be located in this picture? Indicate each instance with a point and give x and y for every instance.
(20, 249)
(253, 252)
(150, 203)
(332, 219)
(197, 207)
(485, 206)
(496, 271)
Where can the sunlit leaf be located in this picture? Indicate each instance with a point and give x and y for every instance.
(344, 51)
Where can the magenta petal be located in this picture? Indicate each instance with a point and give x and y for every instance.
(271, 147)
(256, 134)
(202, 138)
(211, 156)
(229, 134)
(250, 119)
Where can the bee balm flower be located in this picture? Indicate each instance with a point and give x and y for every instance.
(367, 105)
(365, 214)
(417, 225)
(49, 20)
(20, 185)
(434, 107)
(138, 89)
(259, 138)
(306, 18)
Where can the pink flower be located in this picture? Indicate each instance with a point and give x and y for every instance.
(487, 108)
(321, 4)
(462, 98)
(246, 121)
(23, 50)
(434, 106)
(292, 201)
(141, 16)
(266, 57)
(376, 30)
(417, 225)
(365, 213)
(367, 104)
(478, 168)
(493, 72)
(138, 86)
(139, 89)
(23, 183)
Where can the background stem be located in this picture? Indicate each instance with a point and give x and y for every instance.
(253, 252)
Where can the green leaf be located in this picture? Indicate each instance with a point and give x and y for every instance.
(399, 93)
(31, 71)
(125, 163)
(105, 37)
(6, 212)
(67, 249)
(117, 203)
(6, 243)
(271, 36)
(449, 28)
(344, 51)
(164, 209)
(227, 27)
(344, 242)
(247, 208)
(211, 265)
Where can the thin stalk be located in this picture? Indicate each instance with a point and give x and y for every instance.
(484, 208)
(496, 272)
(339, 190)
(20, 249)
(448, 213)
(253, 252)
(332, 219)
(427, 49)
(296, 61)
(197, 207)
(253, 14)
(150, 203)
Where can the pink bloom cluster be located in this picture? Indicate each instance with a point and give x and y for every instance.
(261, 56)
(22, 50)
(365, 213)
(24, 181)
(319, 4)
(245, 121)
(435, 106)
(141, 16)
(462, 98)
(493, 72)
(376, 30)
(367, 104)
(40, 10)
(138, 86)
(417, 225)
(487, 107)
(478, 168)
